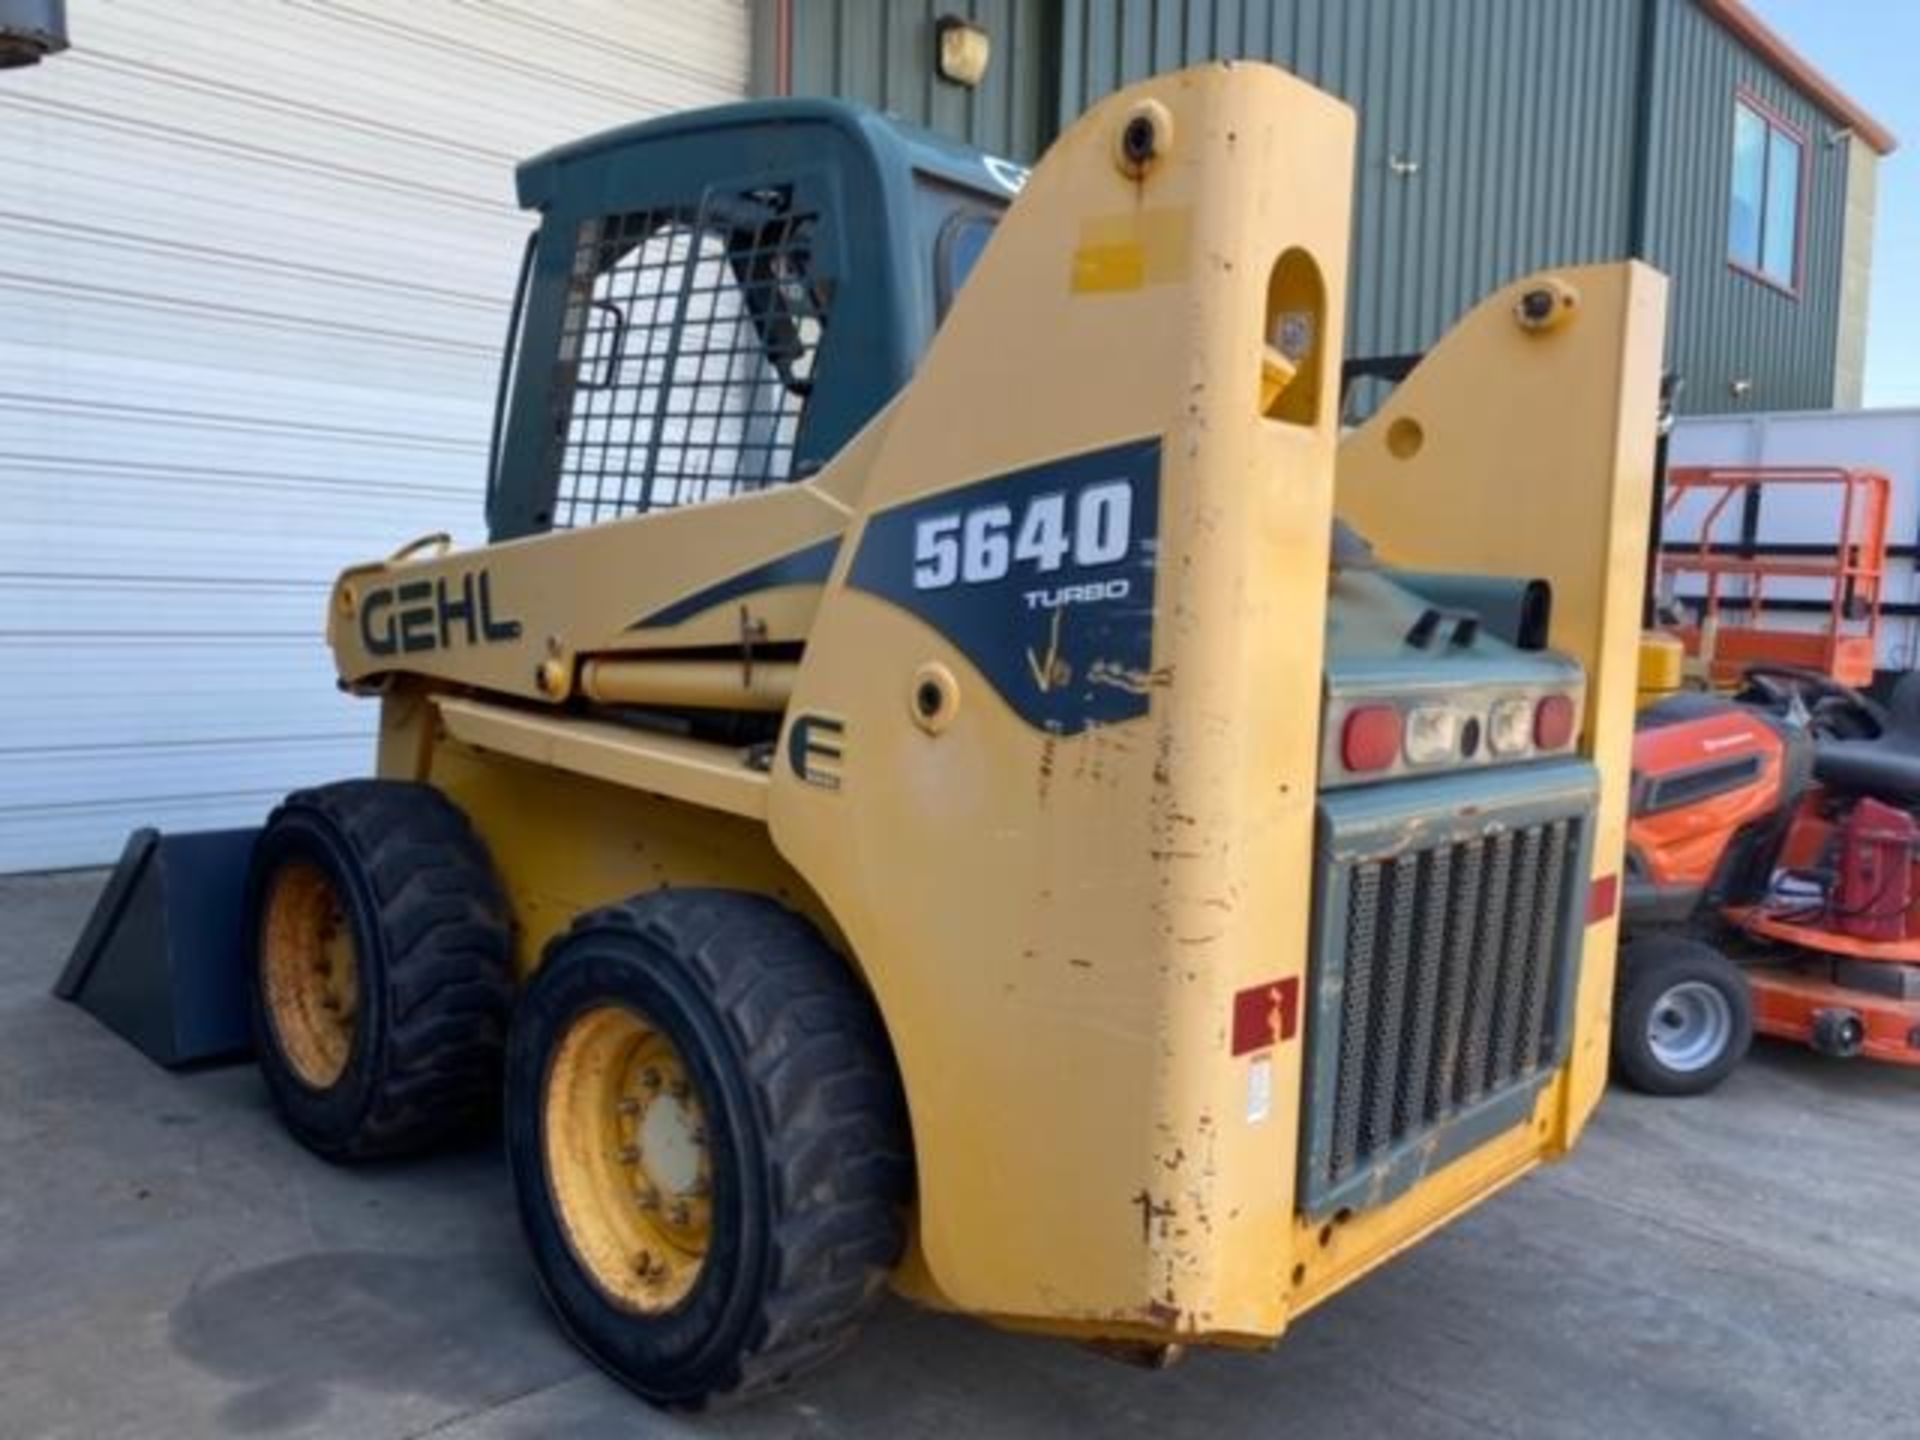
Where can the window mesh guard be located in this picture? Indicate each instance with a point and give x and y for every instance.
(686, 356)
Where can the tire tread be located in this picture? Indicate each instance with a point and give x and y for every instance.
(833, 1120)
(446, 942)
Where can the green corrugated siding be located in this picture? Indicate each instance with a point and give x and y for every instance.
(1518, 113)
(1726, 326)
(882, 52)
(1522, 116)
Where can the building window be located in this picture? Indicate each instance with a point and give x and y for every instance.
(1763, 221)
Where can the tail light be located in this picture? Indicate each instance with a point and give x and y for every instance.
(1371, 739)
(1553, 722)
(1468, 726)
(1432, 734)
(1510, 726)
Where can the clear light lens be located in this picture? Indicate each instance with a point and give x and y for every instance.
(1510, 727)
(1433, 734)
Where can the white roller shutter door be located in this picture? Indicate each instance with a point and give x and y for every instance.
(255, 261)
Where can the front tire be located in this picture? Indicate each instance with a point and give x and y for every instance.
(708, 1143)
(379, 967)
(1682, 1016)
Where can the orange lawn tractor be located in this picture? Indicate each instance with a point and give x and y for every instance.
(1772, 879)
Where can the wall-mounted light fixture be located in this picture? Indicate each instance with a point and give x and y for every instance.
(962, 51)
(31, 30)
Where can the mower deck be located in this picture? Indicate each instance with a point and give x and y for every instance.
(1823, 941)
(1786, 1003)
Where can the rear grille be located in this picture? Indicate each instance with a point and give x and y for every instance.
(1439, 993)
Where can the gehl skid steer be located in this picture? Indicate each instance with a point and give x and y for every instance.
(921, 791)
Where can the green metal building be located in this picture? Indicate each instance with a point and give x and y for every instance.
(1496, 137)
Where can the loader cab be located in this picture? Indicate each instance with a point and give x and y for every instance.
(716, 302)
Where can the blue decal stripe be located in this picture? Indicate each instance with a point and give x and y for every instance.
(809, 566)
(1067, 646)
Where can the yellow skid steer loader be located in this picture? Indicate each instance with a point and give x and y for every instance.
(921, 790)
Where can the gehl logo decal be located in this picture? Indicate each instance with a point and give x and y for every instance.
(432, 615)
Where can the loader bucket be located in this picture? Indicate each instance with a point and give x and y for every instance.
(160, 959)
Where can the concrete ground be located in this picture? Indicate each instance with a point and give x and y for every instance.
(172, 1265)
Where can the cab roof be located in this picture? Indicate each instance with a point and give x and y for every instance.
(891, 140)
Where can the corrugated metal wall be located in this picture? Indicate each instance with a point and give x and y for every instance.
(255, 263)
(1496, 137)
(1726, 326)
(882, 53)
(1494, 134)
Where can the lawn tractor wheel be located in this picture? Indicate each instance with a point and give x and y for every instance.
(708, 1143)
(1682, 1016)
(380, 969)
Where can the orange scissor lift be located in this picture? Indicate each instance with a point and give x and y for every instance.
(1723, 651)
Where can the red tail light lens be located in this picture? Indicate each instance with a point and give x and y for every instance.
(1371, 738)
(1553, 722)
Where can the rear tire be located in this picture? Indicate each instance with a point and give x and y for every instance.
(1682, 1016)
(721, 1020)
(379, 967)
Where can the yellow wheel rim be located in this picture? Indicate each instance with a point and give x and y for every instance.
(310, 969)
(627, 1158)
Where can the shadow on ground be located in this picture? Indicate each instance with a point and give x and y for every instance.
(293, 1330)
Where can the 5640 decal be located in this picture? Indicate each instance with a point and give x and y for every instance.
(1043, 578)
(1091, 527)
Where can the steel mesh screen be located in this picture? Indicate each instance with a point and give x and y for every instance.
(1452, 955)
(686, 355)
